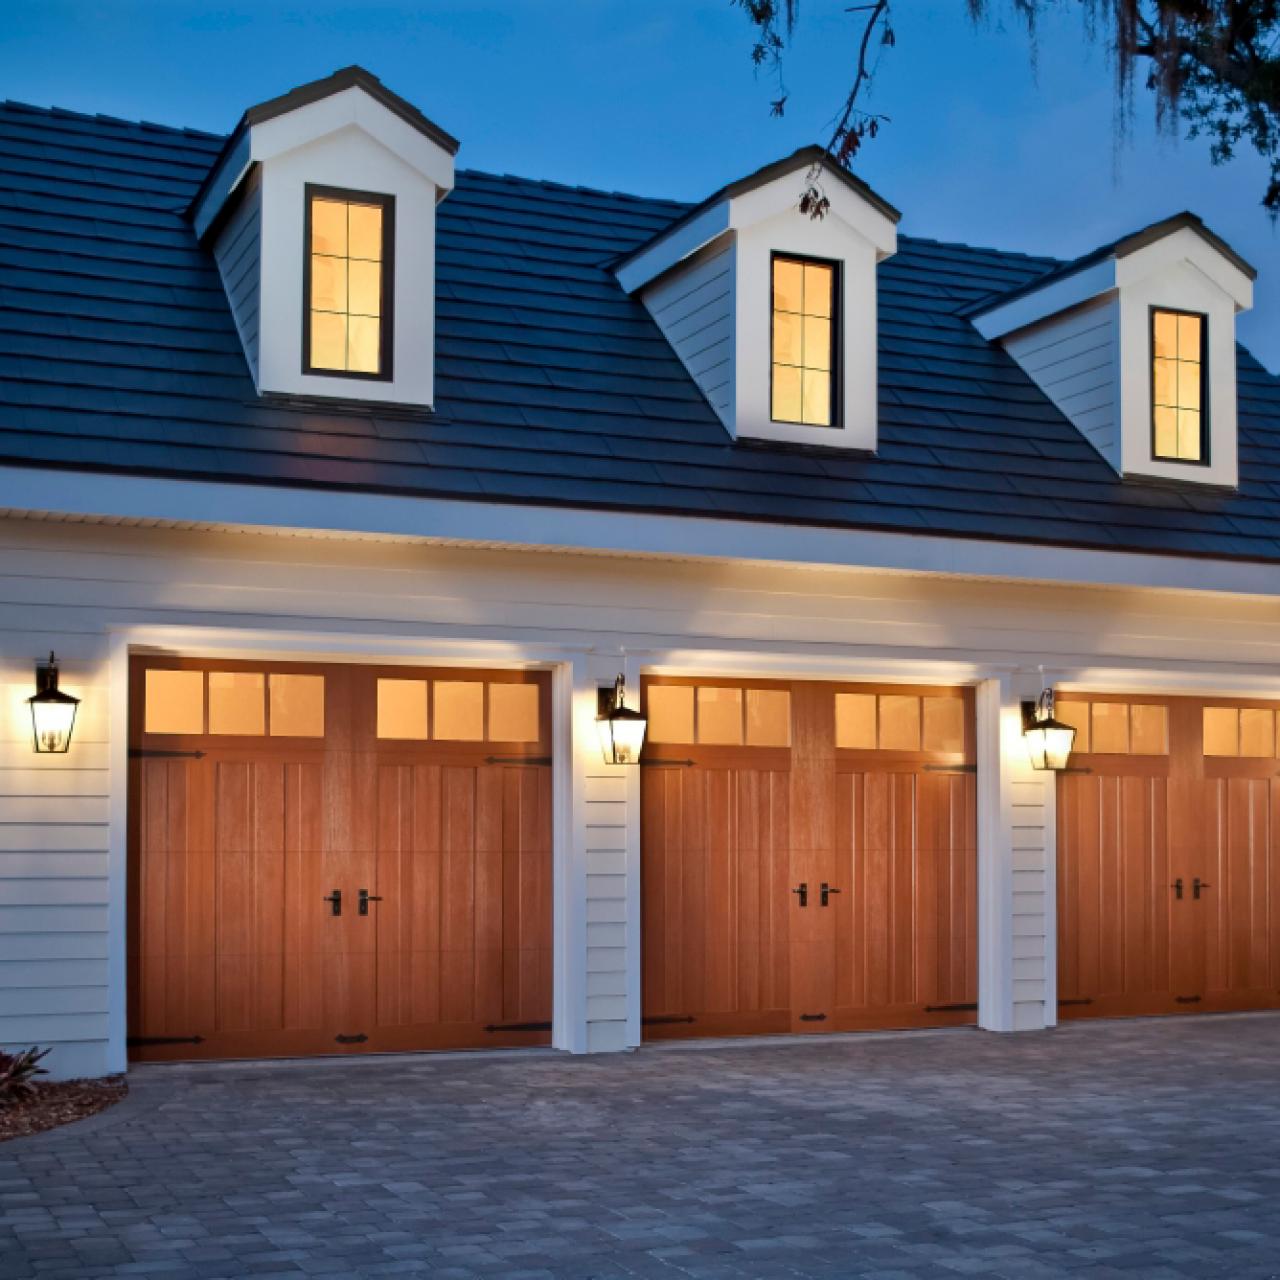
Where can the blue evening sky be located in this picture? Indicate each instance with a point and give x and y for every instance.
(659, 98)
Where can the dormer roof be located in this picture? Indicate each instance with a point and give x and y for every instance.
(241, 151)
(1100, 270)
(711, 217)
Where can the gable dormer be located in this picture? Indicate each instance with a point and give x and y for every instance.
(320, 213)
(1136, 344)
(773, 312)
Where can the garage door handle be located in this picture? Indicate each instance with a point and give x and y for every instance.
(803, 892)
(365, 898)
(335, 900)
(1196, 885)
(1176, 886)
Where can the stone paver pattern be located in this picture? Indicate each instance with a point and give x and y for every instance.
(1123, 1149)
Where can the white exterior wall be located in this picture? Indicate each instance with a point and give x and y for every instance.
(694, 309)
(1075, 360)
(238, 253)
(89, 592)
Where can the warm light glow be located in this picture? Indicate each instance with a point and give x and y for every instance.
(347, 285)
(1049, 741)
(620, 729)
(53, 713)
(803, 311)
(1177, 352)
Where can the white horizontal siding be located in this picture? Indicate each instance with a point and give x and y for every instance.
(1075, 360)
(67, 586)
(238, 253)
(693, 307)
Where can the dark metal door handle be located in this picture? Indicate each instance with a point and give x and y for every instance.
(335, 898)
(1176, 886)
(827, 891)
(803, 892)
(365, 898)
(1196, 885)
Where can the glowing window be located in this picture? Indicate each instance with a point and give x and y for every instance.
(174, 701)
(237, 703)
(804, 341)
(402, 709)
(348, 304)
(1177, 386)
(296, 705)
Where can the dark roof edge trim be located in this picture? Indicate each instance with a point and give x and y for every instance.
(348, 78)
(1121, 248)
(315, 91)
(812, 154)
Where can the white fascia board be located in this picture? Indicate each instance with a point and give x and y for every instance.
(323, 511)
(227, 177)
(782, 195)
(1186, 246)
(675, 247)
(1070, 291)
(353, 106)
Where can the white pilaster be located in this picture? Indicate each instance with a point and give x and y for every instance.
(1016, 934)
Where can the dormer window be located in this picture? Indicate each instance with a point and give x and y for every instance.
(347, 283)
(1179, 343)
(804, 341)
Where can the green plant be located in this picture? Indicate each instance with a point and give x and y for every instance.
(18, 1072)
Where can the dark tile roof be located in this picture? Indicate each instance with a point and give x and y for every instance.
(117, 352)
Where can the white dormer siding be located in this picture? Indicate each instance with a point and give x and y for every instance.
(346, 134)
(238, 253)
(694, 309)
(1086, 338)
(1075, 360)
(708, 283)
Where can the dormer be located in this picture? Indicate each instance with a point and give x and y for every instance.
(1136, 344)
(774, 312)
(320, 213)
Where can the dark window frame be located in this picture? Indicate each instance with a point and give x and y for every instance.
(386, 327)
(836, 364)
(1206, 437)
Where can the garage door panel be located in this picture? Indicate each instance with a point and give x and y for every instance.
(889, 832)
(236, 850)
(1167, 869)
(715, 870)
(1237, 901)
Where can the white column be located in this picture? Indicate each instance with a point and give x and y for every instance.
(596, 1007)
(1016, 935)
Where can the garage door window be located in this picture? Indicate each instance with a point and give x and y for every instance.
(1240, 731)
(899, 722)
(458, 711)
(718, 715)
(1117, 728)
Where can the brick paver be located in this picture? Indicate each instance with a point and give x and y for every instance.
(1139, 1149)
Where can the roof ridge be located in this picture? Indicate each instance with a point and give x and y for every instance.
(65, 113)
(575, 188)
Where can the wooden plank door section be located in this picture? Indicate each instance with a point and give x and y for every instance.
(1168, 867)
(808, 889)
(238, 846)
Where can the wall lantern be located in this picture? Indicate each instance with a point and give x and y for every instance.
(621, 730)
(53, 713)
(1049, 741)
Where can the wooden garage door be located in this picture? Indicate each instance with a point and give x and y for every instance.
(1168, 860)
(328, 859)
(808, 857)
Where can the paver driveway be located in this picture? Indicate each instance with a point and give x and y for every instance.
(1121, 1149)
